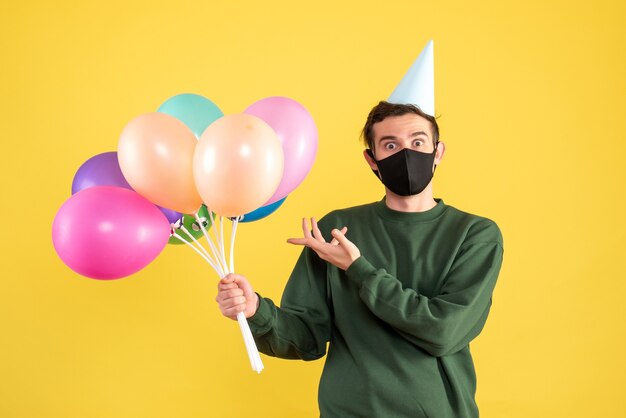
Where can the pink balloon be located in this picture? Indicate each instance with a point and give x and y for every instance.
(108, 232)
(297, 133)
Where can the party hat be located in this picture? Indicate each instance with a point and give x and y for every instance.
(418, 85)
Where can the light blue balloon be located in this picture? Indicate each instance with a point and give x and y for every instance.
(195, 111)
(263, 211)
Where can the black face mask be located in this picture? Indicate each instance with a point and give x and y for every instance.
(407, 172)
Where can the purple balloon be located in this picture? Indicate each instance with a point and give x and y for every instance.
(171, 215)
(104, 170)
(100, 170)
(297, 132)
(106, 232)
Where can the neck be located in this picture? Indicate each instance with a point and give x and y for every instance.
(416, 203)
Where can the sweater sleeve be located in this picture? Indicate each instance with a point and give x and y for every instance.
(443, 324)
(301, 327)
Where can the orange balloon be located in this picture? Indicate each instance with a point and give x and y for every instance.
(155, 152)
(238, 164)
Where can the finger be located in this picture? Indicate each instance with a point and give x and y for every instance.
(316, 231)
(229, 294)
(232, 312)
(234, 301)
(312, 243)
(222, 286)
(298, 241)
(343, 231)
(305, 229)
(340, 237)
(229, 278)
(231, 303)
(237, 278)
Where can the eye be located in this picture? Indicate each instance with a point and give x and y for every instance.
(390, 146)
(418, 142)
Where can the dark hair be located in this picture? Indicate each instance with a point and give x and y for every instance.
(384, 110)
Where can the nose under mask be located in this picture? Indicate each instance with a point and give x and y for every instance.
(407, 172)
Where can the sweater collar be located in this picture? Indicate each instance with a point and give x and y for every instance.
(393, 215)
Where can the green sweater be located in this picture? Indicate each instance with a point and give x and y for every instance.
(399, 320)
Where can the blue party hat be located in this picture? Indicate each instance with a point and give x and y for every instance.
(418, 85)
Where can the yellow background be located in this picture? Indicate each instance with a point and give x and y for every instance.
(532, 102)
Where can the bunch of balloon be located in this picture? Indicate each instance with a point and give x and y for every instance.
(106, 230)
(200, 164)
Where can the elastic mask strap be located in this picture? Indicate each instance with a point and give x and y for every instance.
(377, 172)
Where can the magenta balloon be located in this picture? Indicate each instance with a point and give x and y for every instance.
(108, 232)
(297, 132)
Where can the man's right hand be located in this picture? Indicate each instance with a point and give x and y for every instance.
(234, 295)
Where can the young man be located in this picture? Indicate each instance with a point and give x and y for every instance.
(398, 288)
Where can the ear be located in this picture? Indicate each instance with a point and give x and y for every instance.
(370, 161)
(441, 149)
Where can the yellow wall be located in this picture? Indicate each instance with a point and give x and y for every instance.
(532, 103)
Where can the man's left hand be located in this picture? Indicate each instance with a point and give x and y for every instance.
(340, 252)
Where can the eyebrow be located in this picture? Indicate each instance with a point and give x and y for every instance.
(414, 134)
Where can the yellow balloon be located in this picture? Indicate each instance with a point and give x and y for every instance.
(155, 153)
(238, 164)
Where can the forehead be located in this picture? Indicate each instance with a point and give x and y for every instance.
(401, 126)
